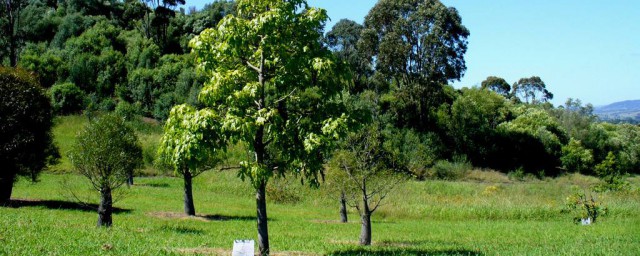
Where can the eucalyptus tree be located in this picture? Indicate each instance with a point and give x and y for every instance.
(190, 145)
(417, 46)
(105, 152)
(343, 39)
(274, 87)
(531, 90)
(497, 84)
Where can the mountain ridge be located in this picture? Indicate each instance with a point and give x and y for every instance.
(628, 110)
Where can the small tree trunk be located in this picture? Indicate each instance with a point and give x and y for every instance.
(130, 178)
(263, 233)
(343, 208)
(106, 208)
(189, 207)
(365, 217)
(365, 232)
(6, 188)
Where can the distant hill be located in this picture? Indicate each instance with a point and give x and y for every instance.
(623, 111)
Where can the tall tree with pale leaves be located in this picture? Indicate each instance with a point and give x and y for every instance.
(275, 87)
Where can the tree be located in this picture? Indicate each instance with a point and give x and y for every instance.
(189, 144)
(105, 152)
(25, 124)
(496, 84)
(9, 25)
(576, 158)
(370, 172)
(531, 90)
(343, 41)
(535, 137)
(417, 46)
(473, 122)
(275, 87)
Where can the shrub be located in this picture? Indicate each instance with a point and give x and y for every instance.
(609, 173)
(282, 191)
(447, 170)
(582, 207)
(126, 110)
(25, 129)
(67, 98)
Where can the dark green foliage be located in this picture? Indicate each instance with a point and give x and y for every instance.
(71, 25)
(343, 41)
(418, 46)
(25, 125)
(496, 84)
(47, 64)
(127, 110)
(473, 122)
(67, 98)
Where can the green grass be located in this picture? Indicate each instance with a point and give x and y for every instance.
(421, 217)
(485, 215)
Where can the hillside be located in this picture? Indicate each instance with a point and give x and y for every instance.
(620, 111)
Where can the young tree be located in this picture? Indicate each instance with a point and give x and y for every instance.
(25, 128)
(275, 88)
(105, 152)
(189, 144)
(370, 171)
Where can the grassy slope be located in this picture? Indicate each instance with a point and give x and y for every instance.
(434, 217)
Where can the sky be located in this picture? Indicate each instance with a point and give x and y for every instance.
(588, 50)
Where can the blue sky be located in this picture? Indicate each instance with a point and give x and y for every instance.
(582, 49)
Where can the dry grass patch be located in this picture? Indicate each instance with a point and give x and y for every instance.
(486, 176)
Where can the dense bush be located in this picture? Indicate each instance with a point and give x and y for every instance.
(67, 98)
(25, 128)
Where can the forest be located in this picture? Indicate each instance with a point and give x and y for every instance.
(259, 87)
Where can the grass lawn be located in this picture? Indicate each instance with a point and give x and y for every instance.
(433, 217)
(485, 215)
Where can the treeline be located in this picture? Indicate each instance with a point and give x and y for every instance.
(130, 55)
(133, 57)
(401, 66)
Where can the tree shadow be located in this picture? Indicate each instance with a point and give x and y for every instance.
(184, 230)
(153, 185)
(218, 217)
(402, 251)
(60, 205)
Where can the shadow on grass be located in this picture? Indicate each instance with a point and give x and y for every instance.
(402, 251)
(60, 205)
(218, 217)
(153, 185)
(184, 230)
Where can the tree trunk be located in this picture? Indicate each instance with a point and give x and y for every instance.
(365, 231)
(106, 208)
(189, 208)
(343, 208)
(263, 233)
(130, 178)
(365, 217)
(6, 187)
